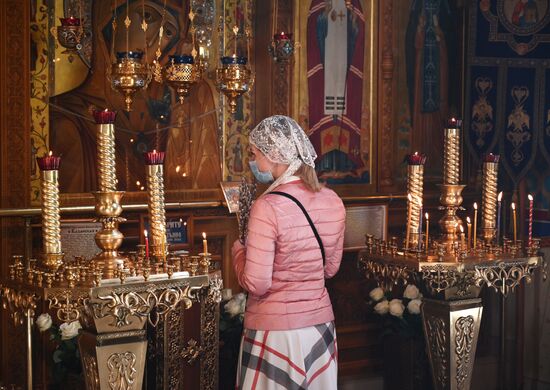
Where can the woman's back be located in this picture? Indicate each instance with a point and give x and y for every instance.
(284, 271)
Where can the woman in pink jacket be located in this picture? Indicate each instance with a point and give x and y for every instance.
(295, 240)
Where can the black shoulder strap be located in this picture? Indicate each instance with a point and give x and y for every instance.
(307, 217)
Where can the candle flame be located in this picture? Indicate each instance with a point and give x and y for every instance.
(145, 232)
(138, 183)
(468, 220)
(461, 229)
(475, 205)
(409, 197)
(106, 110)
(178, 168)
(50, 153)
(513, 205)
(427, 216)
(154, 150)
(530, 197)
(500, 196)
(204, 235)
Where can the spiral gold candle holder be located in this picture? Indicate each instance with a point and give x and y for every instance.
(415, 184)
(451, 153)
(51, 226)
(489, 197)
(106, 150)
(155, 191)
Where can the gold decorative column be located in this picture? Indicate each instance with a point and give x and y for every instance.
(489, 197)
(415, 184)
(51, 228)
(451, 152)
(108, 200)
(155, 189)
(106, 150)
(451, 191)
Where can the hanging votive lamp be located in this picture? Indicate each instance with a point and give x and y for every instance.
(181, 73)
(69, 34)
(281, 48)
(234, 77)
(129, 75)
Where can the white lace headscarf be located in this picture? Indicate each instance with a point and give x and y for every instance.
(283, 141)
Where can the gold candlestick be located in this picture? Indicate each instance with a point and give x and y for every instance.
(106, 150)
(469, 223)
(51, 226)
(415, 184)
(451, 153)
(450, 199)
(514, 216)
(489, 196)
(108, 209)
(155, 191)
(427, 231)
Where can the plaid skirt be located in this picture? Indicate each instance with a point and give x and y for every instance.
(301, 359)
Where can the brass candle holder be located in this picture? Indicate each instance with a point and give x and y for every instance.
(415, 184)
(155, 190)
(52, 257)
(451, 152)
(106, 150)
(451, 200)
(489, 197)
(108, 209)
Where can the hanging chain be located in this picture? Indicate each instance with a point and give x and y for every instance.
(157, 70)
(113, 58)
(144, 28)
(127, 23)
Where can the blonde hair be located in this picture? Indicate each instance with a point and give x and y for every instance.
(309, 177)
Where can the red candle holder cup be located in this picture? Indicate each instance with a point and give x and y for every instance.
(416, 159)
(48, 163)
(282, 36)
(491, 158)
(104, 116)
(454, 123)
(154, 157)
(70, 21)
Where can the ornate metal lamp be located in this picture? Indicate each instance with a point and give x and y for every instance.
(182, 71)
(282, 48)
(69, 34)
(234, 77)
(129, 75)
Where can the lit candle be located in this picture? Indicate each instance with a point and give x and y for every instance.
(499, 200)
(469, 224)
(462, 240)
(146, 242)
(204, 243)
(420, 225)
(513, 205)
(409, 197)
(475, 225)
(427, 231)
(530, 218)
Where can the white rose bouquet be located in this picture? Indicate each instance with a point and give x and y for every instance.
(399, 315)
(66, 357)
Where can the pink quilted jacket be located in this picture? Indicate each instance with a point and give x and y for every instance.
(281, 266)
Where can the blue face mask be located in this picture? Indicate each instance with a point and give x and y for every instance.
(262, 177)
